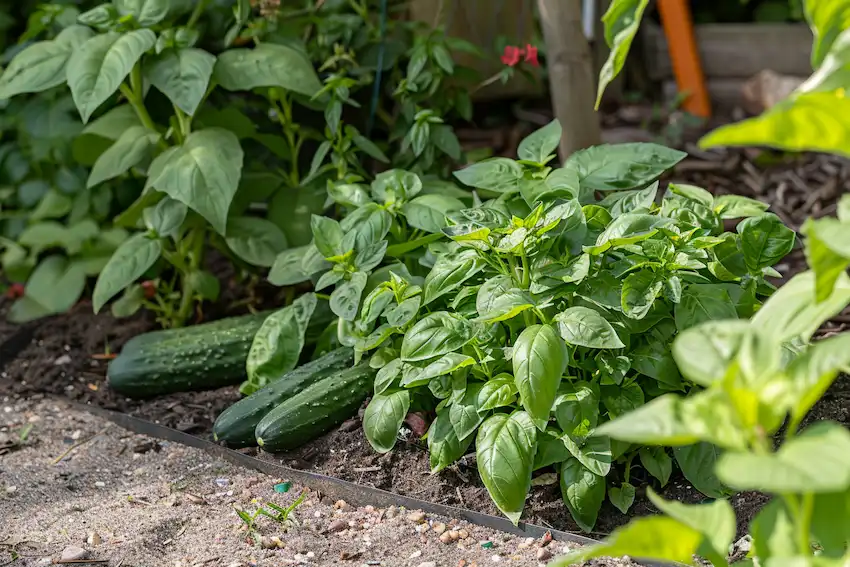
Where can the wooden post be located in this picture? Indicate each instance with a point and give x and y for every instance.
(571, 79)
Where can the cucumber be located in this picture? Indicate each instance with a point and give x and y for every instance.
(315, 410)
(190, 359)
(235, 426)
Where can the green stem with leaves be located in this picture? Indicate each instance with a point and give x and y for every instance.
(196, 256)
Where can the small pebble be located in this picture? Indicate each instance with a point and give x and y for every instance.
(446, 537)
(416, 517)
(338, 526)
(369, 509)
(415, 554)
(428, 564)
(543, 554)
(341, 505)
(100, 484)
(94, 539)
(463, 534)
(11, 489)
(310, 555)
(194, 499)
(423, 527)
(73, 553)
(391, 512)
(439, 527)
(495, 558)
(454, 535)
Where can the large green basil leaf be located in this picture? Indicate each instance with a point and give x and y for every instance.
(490, 290)
(464, 412)
(657, 462)
(814, 370)
(656, 361)
(704, 352)
(697, 462)
(203, 173)
(54, 286)
(737, 207)
(255, 240)
(387, 375)
(582, 326)
(505, 448)
(345, 299)
(622, 497)
(500, 175)
(827, 18)
(583, 493)
(98, 67)
(132, 148)
(41, 66)
(701, 303)
(577, 408)
(182, 75)
(444, 448)
(831, 522)
(622, 20)
(277, 346)
(449, 273)
(550, 450)
(166, 217)
(774, 533)
(369, 223)
(540, 144)
(267, 65)
(375, 304)
(627, 229)
(404, 312)
(499, 391)
(288, 267)
(640, 290)
(623, 202)
(429, 212)
(594, 453)
(396, 186)
(145, 12)
(764, 241)
(506, 305)
(127, 264)
(444, 365)
(383, 418)
(539, 360)
(435, 335)
(827, 251)
(622, 166)
(816, 461)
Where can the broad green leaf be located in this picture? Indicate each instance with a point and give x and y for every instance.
(396, 185)
(806, 122)
(97, 68)
(132, 148)
(374, 304)
(621, 20)
(327, 236)
(267, 65)
(701, 303)
(640, 290)
(277, 346)
(541, 143)
(539, 361)
(128, 263)
(827, 18)
(715, 521)
(622, 497)
(656, 423)
(622, 202)
(654, 537)
(435, 335)
(497, 392)
(444, 448)
(444, 365)
(627, 229)
(561, 183)
(793, 310)
(203, 173)
(255, 240)
(113, 123)
(464, 412)
(656, 361)
(41, 66)
(288, 267)
(697, 463)
(831, 522)
(550, 450)
(429, 212)
(812, 372)
(388, 375)
(736, 207)
(490, 290)
(827, 252)
(445, 139)
(506, 305)
(577, 408)
(404, 312)
(369, 223)
(764, 241)
(622, 166)
(182, 75)
(774, 533)
(383, 418)
(500, 175)
(704, 352)
(345, 299)
(56, 284)
(594, 453)
(816, 461)
(657, 462)
(166, 217)
(582, 326)
(449, 273)
(505, 448)
(583, 493)
(145, 12)
(693, 193)
(53, 205)
(349, 194)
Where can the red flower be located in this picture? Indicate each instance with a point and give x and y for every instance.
(531, 55)
(15, 291)
(512, 55)
(149, 287)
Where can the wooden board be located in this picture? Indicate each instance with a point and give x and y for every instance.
(736, 50)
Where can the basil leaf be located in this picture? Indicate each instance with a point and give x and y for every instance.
(583, 492)
(383, 418)
(539, 360)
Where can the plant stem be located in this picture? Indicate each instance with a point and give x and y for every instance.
(196, 248)
(184, 121)
(196, 13)
(526, 271)
(805, 522)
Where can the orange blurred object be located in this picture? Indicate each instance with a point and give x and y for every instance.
(681, 42)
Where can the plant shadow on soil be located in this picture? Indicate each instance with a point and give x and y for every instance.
(55, 357)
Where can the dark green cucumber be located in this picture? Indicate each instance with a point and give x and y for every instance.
(315, 410)
(235, 426)
(189, 359)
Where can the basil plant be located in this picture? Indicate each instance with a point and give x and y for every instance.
(550, 311)
(758, 377)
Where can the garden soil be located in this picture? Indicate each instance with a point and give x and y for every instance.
(66, 356)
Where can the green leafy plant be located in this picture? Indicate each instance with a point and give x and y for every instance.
(551, 311)
(759, 380)
(279, 514)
